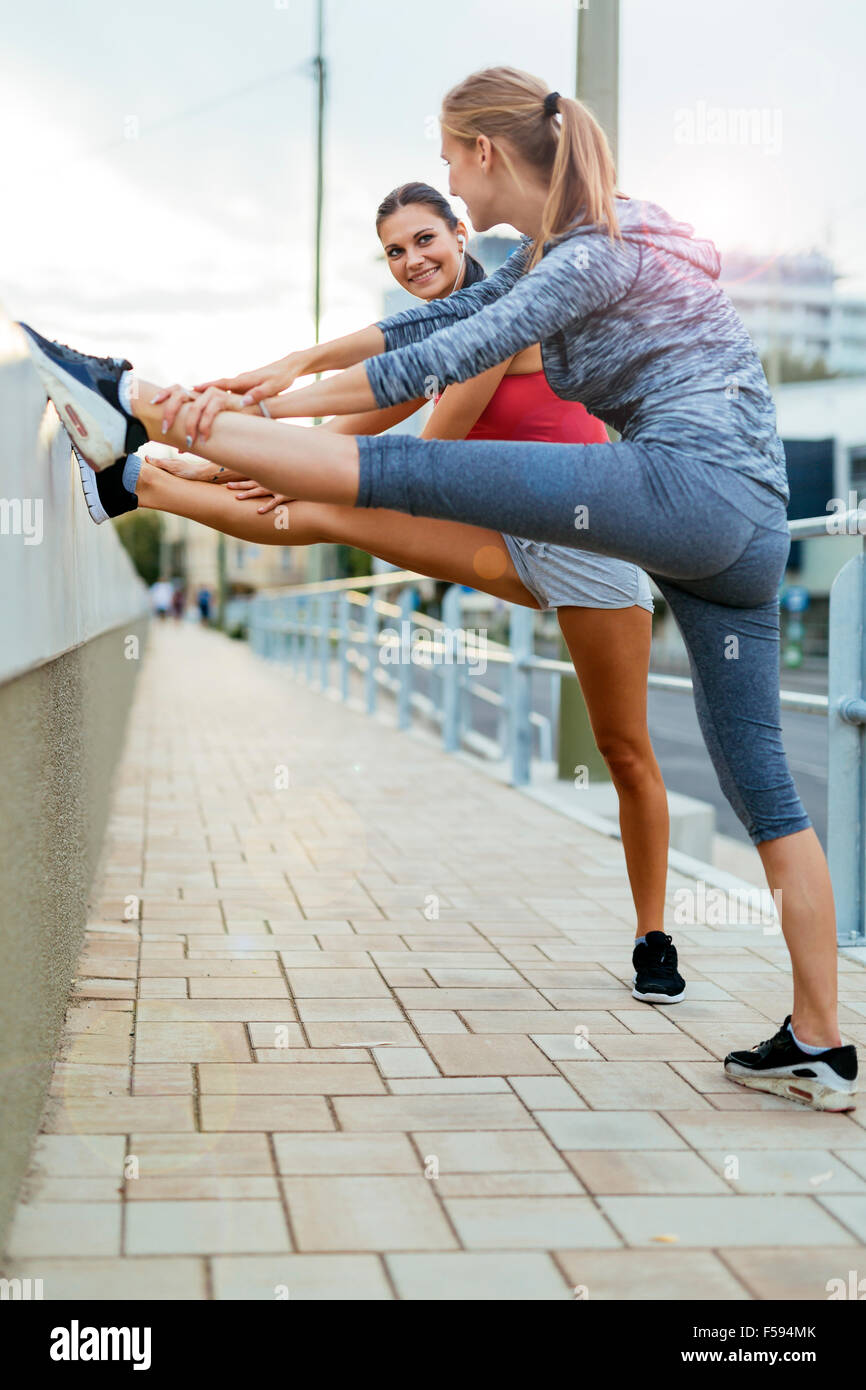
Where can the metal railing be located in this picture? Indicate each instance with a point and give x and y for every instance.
(308, 626)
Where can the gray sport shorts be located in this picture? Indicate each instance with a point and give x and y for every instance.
(560, 577)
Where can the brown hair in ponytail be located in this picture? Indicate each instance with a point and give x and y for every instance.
(573, 155)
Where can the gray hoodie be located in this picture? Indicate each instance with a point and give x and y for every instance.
(638, 330)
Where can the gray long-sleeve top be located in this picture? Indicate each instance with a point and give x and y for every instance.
(638, 330)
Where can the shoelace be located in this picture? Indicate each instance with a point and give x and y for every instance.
(86, 356)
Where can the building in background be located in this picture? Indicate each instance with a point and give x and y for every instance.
(791, 307)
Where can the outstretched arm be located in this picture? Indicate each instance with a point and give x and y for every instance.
(582, 275)
(409, 326)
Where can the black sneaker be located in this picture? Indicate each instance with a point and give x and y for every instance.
(104, 492)
(656, 978)
(84, 392)
(827, 1081)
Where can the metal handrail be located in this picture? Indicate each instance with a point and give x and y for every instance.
(297, 623)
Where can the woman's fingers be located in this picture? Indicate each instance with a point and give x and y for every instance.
(213, 401)
(244, 491)
(276, 501)
(271, 386)
(174, 397)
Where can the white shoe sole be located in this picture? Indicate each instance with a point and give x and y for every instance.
(88, 484)
(96, 429)
(657, 998)
(826, 1091)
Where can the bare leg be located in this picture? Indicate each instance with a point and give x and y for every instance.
(795, 866)
(314, 465)
(610, 649)
(445, 550)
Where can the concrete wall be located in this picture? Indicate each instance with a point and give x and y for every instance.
(70, 603)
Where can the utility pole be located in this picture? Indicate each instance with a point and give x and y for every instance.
(598, 87)
(319, 72)
(319, 559)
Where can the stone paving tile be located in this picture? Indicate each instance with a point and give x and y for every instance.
(626, 1174)
(65, 1189)
(849, 1210)
(205, 1228)
(366, 1213)
(816, 1272)
(790, 1128)
(608, 1129)
(529, 1223)
(446, 1085)
(318, 1078)
(348, 1010)
(216, 1011)
(184, 1155)
(65, 1228)
(611, 1085)
(211, 1187)
(644, 1274)
(119, 1115)
(284, 1029)
(710, 1221)
(507, 1151)
(360, 1034)
(300, 1278)
(546, 1093)
(506, 1055)
(88, 1279)
(191, 1042)
(814, 1171)
(260, 1114)
(474, 1275)
(79, 1155)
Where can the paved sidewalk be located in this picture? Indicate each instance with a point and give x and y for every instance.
(373, 1037)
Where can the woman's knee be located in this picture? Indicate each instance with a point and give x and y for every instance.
(630, 761)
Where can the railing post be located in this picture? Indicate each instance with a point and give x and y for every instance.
(324, 622)
(344, 609)
(285, 610)
(308, 639)
(404, 689)
(371, 627)
(846, 740)
(450, 670)
(522, 630)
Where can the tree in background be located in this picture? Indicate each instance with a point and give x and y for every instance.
(140, 533)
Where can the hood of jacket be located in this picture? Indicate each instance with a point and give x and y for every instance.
(649, 225)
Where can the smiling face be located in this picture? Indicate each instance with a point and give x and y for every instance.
(422, 251)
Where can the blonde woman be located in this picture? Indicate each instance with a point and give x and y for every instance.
(624, 302)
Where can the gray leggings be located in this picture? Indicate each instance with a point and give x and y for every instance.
(714, 540)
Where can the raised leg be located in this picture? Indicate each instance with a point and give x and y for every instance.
(446, 550)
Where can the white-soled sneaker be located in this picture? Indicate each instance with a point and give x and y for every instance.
(104, 492)
(83, 389)
(825, 1080)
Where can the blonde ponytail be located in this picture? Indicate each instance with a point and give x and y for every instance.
(572, 154)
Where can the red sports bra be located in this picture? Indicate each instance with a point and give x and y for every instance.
(524, 407)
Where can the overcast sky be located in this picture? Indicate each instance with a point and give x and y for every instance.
(157, 160)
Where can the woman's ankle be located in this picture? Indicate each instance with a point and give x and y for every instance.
(816, 1031)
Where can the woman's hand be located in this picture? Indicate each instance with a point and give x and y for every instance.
(249, 491)
(265, 381)
(202, 409)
